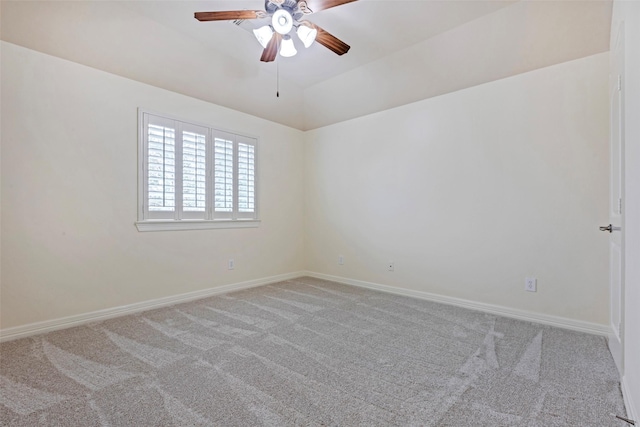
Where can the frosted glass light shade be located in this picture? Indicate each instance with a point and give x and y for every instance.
(282, 21)
(287, 48)
(263, 34)
(307, 35)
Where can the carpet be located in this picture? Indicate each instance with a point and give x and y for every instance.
(309, 352)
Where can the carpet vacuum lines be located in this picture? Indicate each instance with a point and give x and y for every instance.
(310, 352)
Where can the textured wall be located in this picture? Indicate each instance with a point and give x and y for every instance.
(473, 191)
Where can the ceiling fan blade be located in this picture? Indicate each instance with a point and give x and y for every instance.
(331, 42)
(227, 15)
(269, 53)
(318, 5)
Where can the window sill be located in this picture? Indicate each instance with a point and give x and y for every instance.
(185, 224)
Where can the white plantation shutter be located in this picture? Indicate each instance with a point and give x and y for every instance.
(194, 163)
(194, 172)
(246, 178)
(234, 176)
(223, 176)
(161, 153)
(160, 170)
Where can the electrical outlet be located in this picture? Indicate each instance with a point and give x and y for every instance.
(340, 260)
(232, 264)
(391, 266)
(531, 284)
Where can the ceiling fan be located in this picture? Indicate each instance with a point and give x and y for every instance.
(284, 16)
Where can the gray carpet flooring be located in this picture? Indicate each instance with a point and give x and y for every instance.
(308, 352)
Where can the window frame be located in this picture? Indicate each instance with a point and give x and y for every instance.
(180, 219)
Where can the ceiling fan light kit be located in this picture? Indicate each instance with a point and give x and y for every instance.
(287, 48)
(306, 34)
(263, 35)
(284, 16)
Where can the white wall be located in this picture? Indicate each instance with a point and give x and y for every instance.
(471, 192)
(69, 196)
(468, 193)
(629, 13)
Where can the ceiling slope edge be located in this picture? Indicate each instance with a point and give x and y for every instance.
(513, 40)
(53, 28)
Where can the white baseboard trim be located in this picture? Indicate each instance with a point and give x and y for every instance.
(632, 413)
(9, 334)
(95, 316)
(545, 319)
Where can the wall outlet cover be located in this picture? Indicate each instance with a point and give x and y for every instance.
(531, 284)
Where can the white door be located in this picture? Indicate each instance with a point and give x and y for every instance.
(616, 207)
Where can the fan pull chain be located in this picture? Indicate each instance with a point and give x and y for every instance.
(277, 78)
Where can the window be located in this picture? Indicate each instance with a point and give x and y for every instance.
(193, 176)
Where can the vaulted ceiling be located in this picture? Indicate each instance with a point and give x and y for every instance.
(401, 51)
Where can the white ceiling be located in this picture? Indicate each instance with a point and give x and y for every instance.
(401, 51)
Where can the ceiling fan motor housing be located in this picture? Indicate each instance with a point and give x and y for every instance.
(291, 6)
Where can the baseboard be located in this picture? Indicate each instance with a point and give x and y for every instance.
(545, 319)
(632, 413)
(109, 313)
(95, 316)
